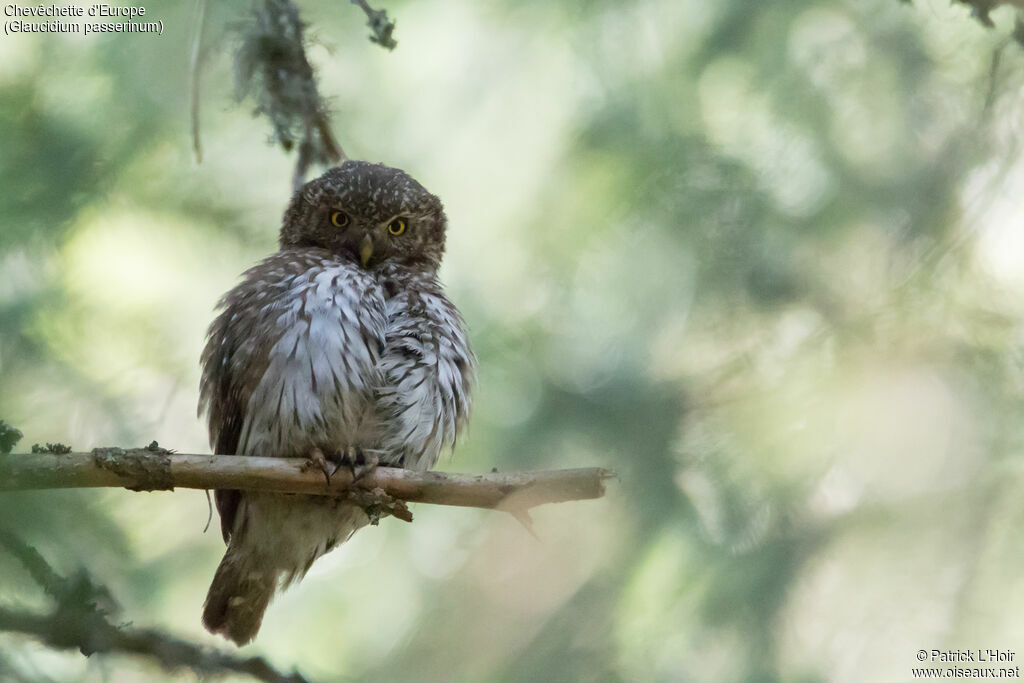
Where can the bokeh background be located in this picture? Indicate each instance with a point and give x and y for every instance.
(765, 260)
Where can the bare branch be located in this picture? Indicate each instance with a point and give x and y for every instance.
(156, 468)
(193, 70)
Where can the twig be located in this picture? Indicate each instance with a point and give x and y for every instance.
(154, 468)
(382, 27)
(980, 9)
(193, 68)
(33, 562)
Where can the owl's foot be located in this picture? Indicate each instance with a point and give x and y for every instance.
(361, 462)
(316, 459)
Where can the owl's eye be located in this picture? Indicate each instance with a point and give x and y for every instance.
(339, 219)
(397, 226)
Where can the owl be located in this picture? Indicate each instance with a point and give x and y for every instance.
(340, 347)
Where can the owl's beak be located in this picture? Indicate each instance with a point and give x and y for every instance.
(366, 250)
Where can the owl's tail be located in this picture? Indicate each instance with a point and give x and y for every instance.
(238, 597)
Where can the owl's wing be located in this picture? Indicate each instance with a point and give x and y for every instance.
(224, 391)
(429, 371)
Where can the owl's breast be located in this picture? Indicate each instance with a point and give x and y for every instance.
(320, 330)
(428, 371)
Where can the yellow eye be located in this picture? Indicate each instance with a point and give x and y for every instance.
(339, 219)
(397, 226)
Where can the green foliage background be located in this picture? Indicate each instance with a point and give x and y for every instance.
(763, 259)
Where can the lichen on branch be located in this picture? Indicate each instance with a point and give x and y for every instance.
(271, 63)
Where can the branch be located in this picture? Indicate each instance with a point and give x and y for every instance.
(271, 59)
(382, 27)
(982, 9)
(155, 469)
(194, 72)
(81, 620)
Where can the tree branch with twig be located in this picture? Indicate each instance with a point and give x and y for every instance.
(383, 28)
(81, 619)
(385, 490)
(271, 63)
(82, 612)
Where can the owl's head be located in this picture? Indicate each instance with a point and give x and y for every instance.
(369, 213)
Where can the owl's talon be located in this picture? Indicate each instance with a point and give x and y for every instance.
(368, 464)
(357, 460)
(316, 459)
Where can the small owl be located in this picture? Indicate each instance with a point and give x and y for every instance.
(343, 346)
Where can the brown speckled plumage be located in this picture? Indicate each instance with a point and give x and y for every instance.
(343, 339)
